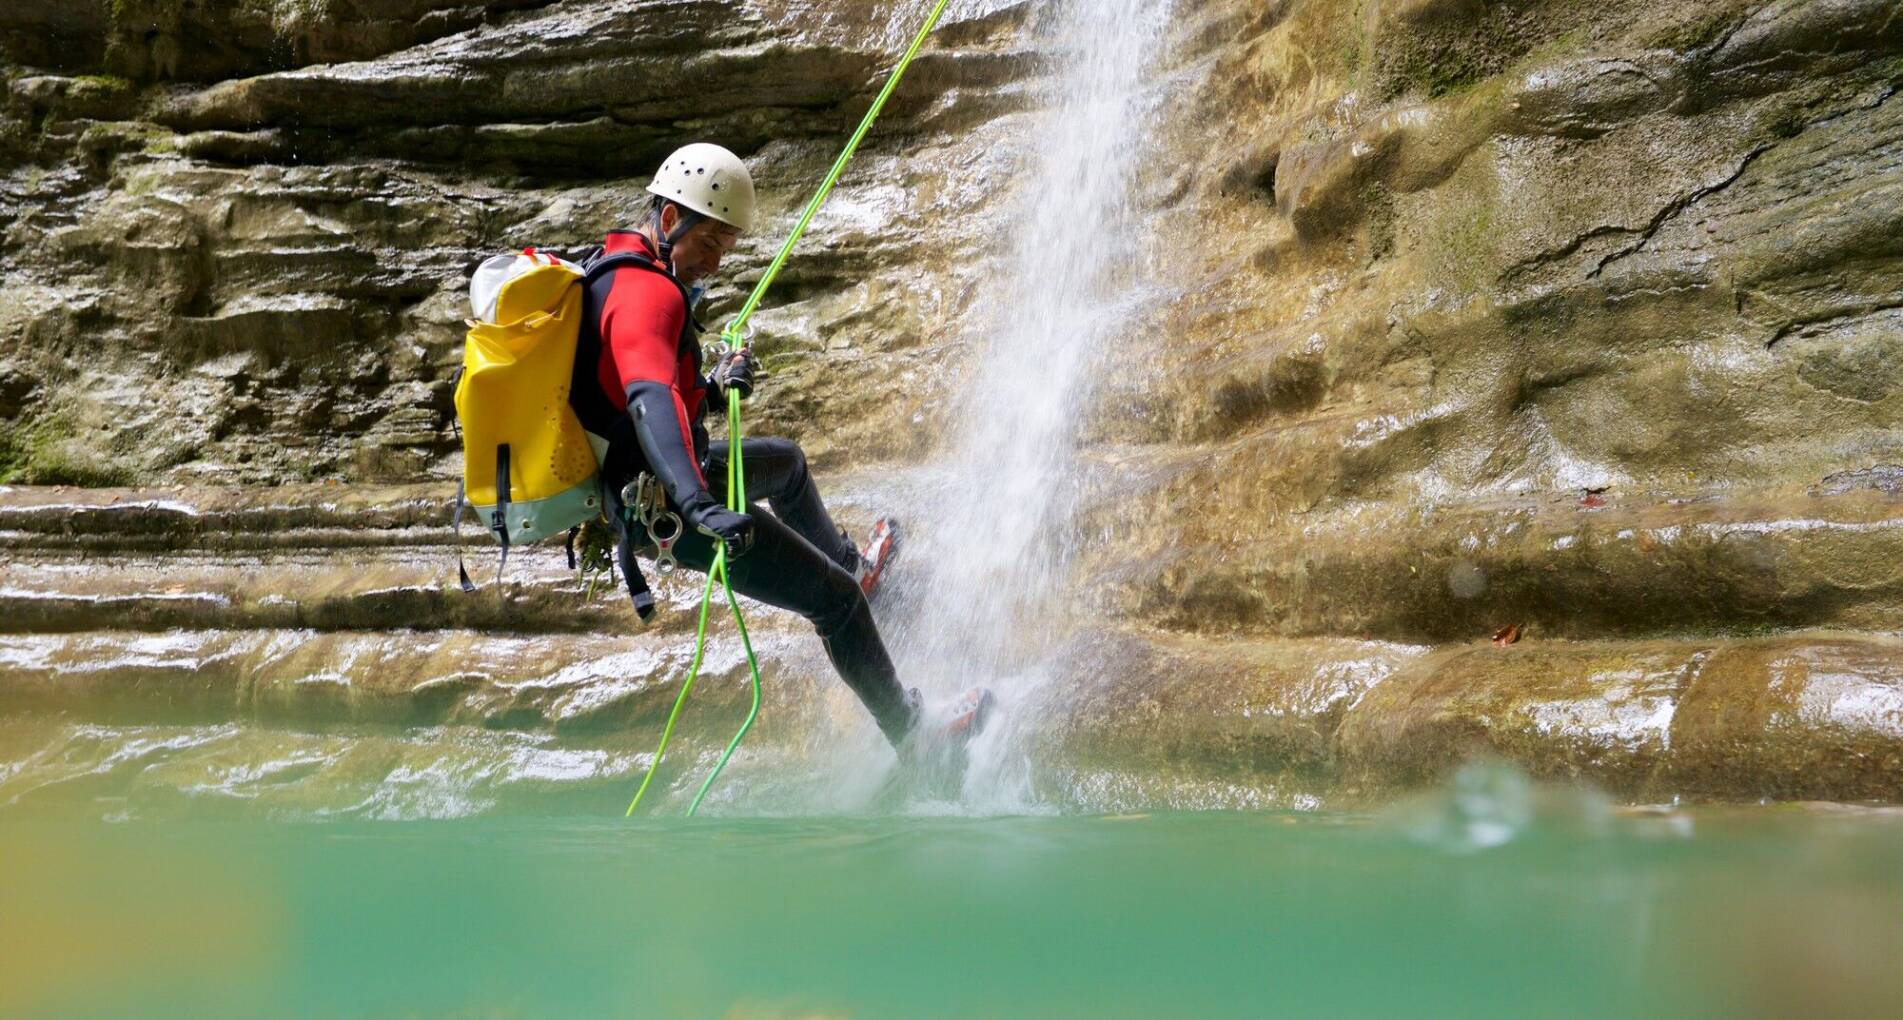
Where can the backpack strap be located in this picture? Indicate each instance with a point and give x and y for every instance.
(606, 264)
(499, 519)
(456, 523)
(637, 583)
(631, 573)
(455, 417)
(603, 264)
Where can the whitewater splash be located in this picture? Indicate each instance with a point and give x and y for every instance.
(983, 597)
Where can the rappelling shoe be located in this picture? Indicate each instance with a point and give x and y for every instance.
(969, 716)
(940, 748)
(877, 555)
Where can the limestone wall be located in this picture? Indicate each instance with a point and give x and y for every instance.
(1583, 320)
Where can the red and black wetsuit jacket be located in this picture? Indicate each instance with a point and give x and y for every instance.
(637, 379)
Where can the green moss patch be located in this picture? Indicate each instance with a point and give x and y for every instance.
(10, 455)
(47, 452)
(103, 83)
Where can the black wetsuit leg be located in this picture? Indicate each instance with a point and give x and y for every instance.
(777, 472)
(785, 570)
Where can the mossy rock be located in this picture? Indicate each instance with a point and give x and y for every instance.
(49, 452)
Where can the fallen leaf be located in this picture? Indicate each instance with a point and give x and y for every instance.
(1592, 501)
(1507, 635)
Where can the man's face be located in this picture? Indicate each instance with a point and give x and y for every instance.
(699, 251)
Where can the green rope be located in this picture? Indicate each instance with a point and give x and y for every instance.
(736, 498)
(733, 335)
(719, 569)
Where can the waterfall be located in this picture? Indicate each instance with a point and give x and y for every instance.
(983, 602)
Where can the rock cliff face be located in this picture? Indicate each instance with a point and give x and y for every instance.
(259, 278)
(1579, 320)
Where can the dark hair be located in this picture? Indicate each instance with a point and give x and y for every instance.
(658, 203)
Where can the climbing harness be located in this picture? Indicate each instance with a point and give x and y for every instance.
(732, 337)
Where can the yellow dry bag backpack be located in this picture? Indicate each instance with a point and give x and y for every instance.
(528, 468)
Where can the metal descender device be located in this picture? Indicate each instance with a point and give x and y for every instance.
(647, 502)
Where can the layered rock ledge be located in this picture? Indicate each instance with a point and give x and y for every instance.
(1570, 323)
(352, 642)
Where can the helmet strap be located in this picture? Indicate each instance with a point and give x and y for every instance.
(687, 220)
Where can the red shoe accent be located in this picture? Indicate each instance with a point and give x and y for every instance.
(968, 719)
(878, 554)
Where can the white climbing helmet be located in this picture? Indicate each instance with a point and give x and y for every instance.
(709, 180)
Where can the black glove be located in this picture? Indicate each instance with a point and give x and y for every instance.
(734, 372)
(734, 530)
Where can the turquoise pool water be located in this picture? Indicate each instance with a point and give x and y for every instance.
(1437, 910)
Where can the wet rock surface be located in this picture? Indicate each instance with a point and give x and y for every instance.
(1579, 319)
(260, 277)
(121, 617)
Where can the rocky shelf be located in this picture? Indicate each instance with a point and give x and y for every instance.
(359, 638)
(1569, 323)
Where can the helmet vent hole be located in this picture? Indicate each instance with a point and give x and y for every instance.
(702, 170)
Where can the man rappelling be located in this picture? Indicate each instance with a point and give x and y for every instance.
(638, 389)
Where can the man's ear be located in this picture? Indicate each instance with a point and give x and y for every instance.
(670, 218)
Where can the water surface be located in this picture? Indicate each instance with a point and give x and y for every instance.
(1431, 912)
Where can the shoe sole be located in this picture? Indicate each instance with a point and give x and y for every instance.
(890, 540)
(970, 722)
